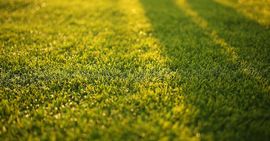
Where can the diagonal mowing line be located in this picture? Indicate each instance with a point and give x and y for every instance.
(230, 50)
(137, 23)
(250, 9)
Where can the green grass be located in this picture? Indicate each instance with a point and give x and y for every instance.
(132, 70)
(253, 9)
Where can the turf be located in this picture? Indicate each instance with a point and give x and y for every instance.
(133, 70)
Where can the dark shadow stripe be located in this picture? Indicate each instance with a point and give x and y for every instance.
(249, 38)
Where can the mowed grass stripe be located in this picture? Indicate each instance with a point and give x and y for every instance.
(234, 57)
(248, 37)
(256, 10)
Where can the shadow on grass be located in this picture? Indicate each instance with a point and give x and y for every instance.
(229, 105)
(249, 38)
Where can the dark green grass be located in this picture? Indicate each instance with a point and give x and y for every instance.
(225, 99)
(90, 71)
(248, 37)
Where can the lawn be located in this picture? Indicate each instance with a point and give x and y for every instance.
(135, 70)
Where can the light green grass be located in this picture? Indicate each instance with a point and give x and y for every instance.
(132, 70)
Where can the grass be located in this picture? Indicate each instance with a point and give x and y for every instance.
(256, 10)
(132, 70)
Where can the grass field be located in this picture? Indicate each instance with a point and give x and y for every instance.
(135, 70)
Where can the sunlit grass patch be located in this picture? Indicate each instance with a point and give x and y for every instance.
(86, 70)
